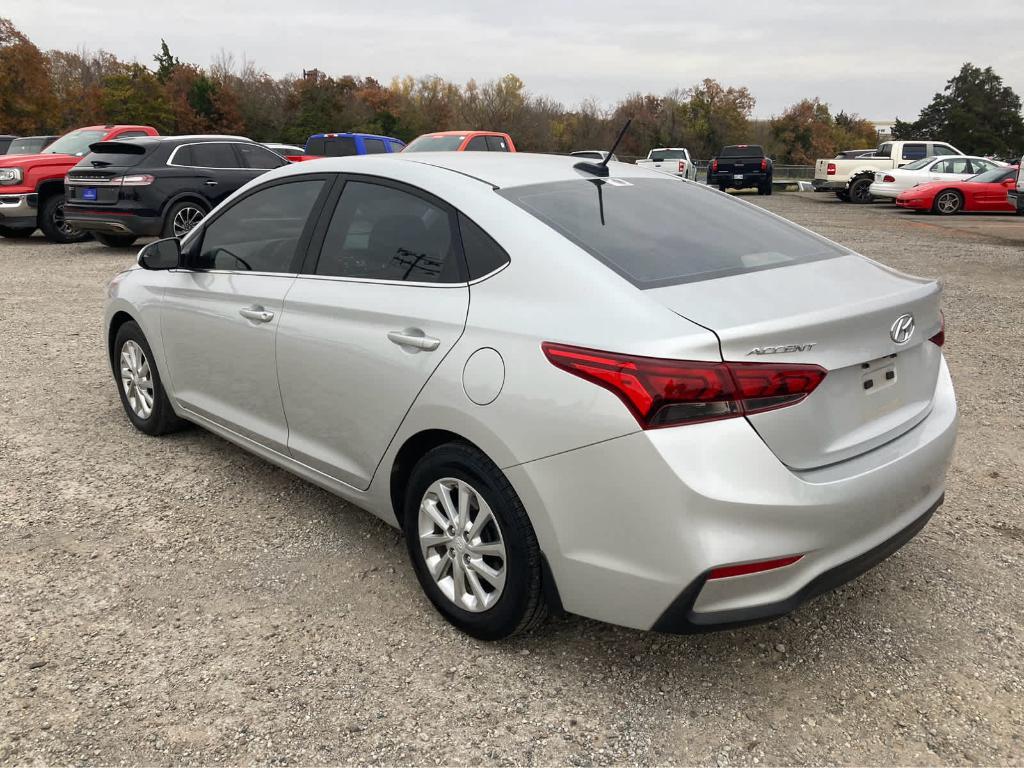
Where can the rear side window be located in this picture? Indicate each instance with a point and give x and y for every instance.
(339, 146)
(477, 144)
(213, 155)
(884, 151)
(257, 157)
(261, 232)
(375, 146)
(656, 232)
(483, 255)
(497, 144)
(383, 233)
(915, 151)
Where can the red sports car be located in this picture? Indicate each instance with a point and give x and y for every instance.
(984, 192)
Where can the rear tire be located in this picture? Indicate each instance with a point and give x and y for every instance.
(182, 218)
(457, 575)
(115, 241)
(53, 224)
(139, 385)
(948, 202)
(15, 233)
(859, 191)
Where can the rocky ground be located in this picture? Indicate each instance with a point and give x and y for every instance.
(177, 601)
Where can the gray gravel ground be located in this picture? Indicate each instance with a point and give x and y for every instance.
(177, 601)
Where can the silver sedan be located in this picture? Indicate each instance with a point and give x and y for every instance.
(617, 394)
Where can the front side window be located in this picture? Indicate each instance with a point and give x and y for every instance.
(396, 146)
(497, 144)
(257, 157)
(943, 149)
(995, 175)
(375, 146)
(657, 232)
(883, 151)
(383, 233)
(915, 151)
(212, 155)
(261, 232)
(339, 146)
(477, 144)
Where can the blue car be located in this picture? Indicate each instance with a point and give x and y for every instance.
(345, 144)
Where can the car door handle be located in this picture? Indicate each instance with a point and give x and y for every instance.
(257, 314)
(414, 338)
(210, 183)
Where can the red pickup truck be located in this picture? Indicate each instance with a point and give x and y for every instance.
(32, 186)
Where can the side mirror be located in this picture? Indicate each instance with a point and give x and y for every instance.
(161, 254)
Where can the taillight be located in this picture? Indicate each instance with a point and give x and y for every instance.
(831, 170)
(764, 163)
(889, 179)
(134, 180)
(664, 393)
(742, 569)
(682, 166)
(940, 338)
(714, 165)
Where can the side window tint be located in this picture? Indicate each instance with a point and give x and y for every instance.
(374, 146)
(483, 255)
(183, 155)
(382, 233)
(915, 151)
(340, 146)
(213, 155)
(477, 144)
(884, 151)
(261, 232)
(958, 166)
(255, 156)
(131, 134)
(497, 144)
(396, 146)
(941, 167)
(944, 149)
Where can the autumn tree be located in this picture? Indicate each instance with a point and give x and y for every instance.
(807, 130)
(135, 96)
(715, 116)
(78, 78)
(27, 103)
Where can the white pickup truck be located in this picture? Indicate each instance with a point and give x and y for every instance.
(851, 179)
(674, 160)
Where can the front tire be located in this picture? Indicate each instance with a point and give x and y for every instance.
(472, 546)
(115, 241)
(54, 225)
(138, 383)
(15, 233)
(948, 202)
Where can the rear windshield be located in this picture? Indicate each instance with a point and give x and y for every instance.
(657, 232)
(917, 165)
(435, 144)
(750, 150)
(668, 154)
(117, 154)
(337, 146)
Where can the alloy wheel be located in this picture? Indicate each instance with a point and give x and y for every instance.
(185, 220)
(462, 545)
(948, 202)
(137, 379)
(61, 223)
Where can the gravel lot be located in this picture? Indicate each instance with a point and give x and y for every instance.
(177, 601)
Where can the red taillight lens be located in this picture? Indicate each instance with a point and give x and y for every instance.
(764, 163)
(134, 180)
(831, 170)
(663, 393)
(888, 179)
(940, 338)
(682, 166)
(744, 568)
(714, 165)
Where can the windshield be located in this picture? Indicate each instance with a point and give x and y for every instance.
(75, 143)
(668, 154)
(917, 165)
(656, 232)
(995, 175)
(435, 144)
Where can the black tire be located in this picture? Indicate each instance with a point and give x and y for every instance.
(948, 202)
(16, 233)
(115, 241)
(51, 221)
(161, 420)
(859, 191)
(843, 195)
(173, 212)
(768, 187)
(521, 605)
(722, 188)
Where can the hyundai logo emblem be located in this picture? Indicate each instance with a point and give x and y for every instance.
(902, 329)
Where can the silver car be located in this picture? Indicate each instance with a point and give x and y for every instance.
(625, 396)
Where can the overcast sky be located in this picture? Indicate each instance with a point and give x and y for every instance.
(878, 58)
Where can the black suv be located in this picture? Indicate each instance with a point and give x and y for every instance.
(158, 186)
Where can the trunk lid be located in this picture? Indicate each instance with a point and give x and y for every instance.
(838, 314)
(96, 179)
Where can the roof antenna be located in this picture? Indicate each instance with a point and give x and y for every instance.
(601, 169)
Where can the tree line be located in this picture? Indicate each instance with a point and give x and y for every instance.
(52, 91)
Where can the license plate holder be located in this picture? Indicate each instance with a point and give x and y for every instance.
(89, 193)
(738, 176)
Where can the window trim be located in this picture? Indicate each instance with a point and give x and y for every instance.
(195, 238)
(238, 157)
(329, 207)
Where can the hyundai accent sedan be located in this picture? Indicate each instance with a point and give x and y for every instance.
(625, 396)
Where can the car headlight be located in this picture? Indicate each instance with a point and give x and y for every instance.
(10, 176)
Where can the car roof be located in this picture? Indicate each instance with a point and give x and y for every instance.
(498, 169)
(465, 133)
(336, 134)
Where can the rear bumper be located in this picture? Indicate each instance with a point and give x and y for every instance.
(823, 185)
(112, 222)
(19, 211)
(729, 180)
(632, 526)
